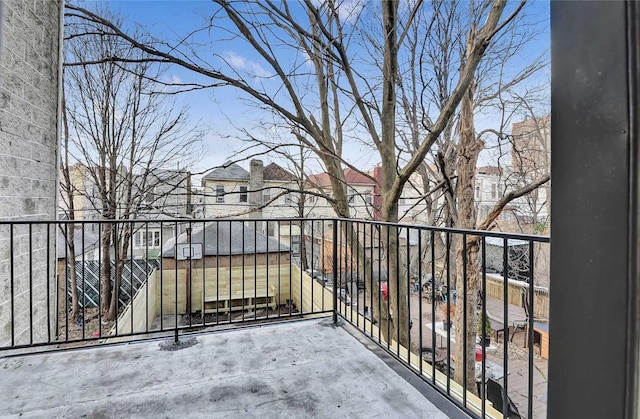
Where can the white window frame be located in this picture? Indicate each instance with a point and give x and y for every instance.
(220, 194)
(144, 239)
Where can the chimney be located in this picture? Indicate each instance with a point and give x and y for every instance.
(256, 184)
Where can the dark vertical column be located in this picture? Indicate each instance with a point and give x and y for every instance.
(594, 250)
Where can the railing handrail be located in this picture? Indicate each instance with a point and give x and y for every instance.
(452, 230)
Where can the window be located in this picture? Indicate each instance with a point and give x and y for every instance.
(493, 190)
(500, 190)
(478, 192)
(156, 239)
(351, 198)
(288, 198)
(144, 239)
(220, 193)
(266, 195)
(243, 194)
(367, 198)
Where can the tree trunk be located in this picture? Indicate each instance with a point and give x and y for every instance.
(120, 259)
(105, 268)
(115, 292)
(71, 261)
(466, 285)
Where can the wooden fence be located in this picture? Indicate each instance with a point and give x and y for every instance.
(495, 289)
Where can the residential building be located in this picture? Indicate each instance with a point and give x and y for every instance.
(163, 194)
(489, 189)
(360, 193)
(263, 192)
(531, 148)
(230, 190)
(87, 204)
(493, 182)
(158, 194)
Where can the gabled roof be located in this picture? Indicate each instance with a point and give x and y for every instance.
(351, 177)
(275, 172)
(223, 238)
(228, 171)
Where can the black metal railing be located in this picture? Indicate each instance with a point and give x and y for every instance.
(422, 265)
(97, 282)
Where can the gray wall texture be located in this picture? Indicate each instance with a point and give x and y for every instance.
(29, 83)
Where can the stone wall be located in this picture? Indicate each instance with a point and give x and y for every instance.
(29, 82)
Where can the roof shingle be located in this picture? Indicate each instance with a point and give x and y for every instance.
(228, 171)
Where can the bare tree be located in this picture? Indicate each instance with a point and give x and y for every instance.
(121, 134)
(68, 194)
(327, 91)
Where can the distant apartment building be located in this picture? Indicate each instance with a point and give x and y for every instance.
(531, 159)
(531, 149)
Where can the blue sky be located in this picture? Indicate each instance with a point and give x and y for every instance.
(221, 111)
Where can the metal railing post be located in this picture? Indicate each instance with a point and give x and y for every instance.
(335, 272)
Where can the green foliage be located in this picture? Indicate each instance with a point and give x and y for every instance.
(487, 323)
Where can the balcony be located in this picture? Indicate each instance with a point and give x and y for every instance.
(229, 319)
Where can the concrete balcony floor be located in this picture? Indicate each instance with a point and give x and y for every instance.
(296, 369)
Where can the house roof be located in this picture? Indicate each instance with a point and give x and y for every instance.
(228, 171)
(226, 238)
(489, 170)
(91, 241)
(351, 177)
(275, 172)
